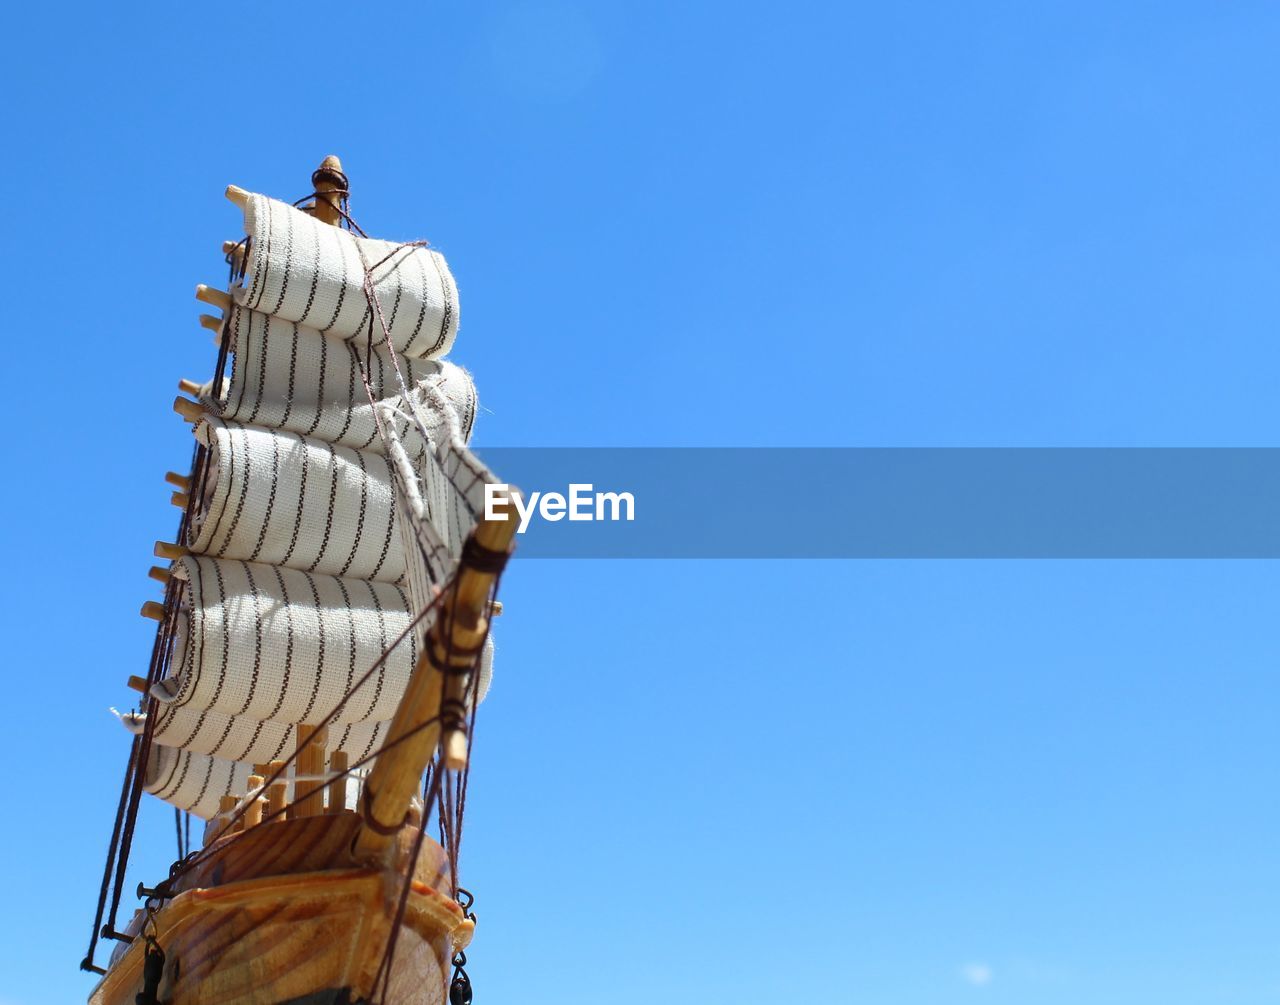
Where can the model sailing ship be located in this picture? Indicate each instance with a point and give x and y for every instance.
(323, 641)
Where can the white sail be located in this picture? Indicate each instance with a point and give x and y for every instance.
(289, 376)
(285, 645)
(238, 739)
(286, 499)
(194, 782)
(303, 270)
(331, 510)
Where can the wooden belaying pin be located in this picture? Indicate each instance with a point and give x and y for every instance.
(221, 823)
(159, 575)
(213, 324)
(180, 499)
(190, 387)
(188, 409)
(178, 481)
(138, 684)
(153, 610)
(215, 298)
(173, 552)
(235, 251)
(277, 792)
(238, 195)
(338, 786)
(253, 812)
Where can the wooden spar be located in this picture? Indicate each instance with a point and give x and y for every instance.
(188, 409)
(172, 552)
(214, 298)
(326, 181)
(459, 629)
(236, 250)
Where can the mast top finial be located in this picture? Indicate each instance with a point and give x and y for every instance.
(328, 178)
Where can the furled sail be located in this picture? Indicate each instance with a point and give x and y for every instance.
(302, 270)
(331, 497)
(288, 376)
(294, 500)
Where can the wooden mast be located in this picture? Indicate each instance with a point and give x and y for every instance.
(330, 185)
(454, 640)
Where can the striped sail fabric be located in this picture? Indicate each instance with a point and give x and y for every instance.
(239, 738)
(303, 270)
(289, 376)
(198, 757)
(287, 499)
(303, 566)
(194, 782)
(283, 645)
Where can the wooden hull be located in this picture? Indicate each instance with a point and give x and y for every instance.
(274, 930)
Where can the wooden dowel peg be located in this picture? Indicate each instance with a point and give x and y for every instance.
(180, 499)
(213, 324)
(218, 825)
(190, 387)
(153, 610)
(278, 791)
(253, 812)
(308, 796)
(238, 195)
(226, 806)
(159, 575)
(338, 763)
(212, 297)
(455, 750)
(138, 684)
(188, 409)
(172, 552)
(178, 481)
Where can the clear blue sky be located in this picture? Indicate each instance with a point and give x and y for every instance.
(711, 224)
